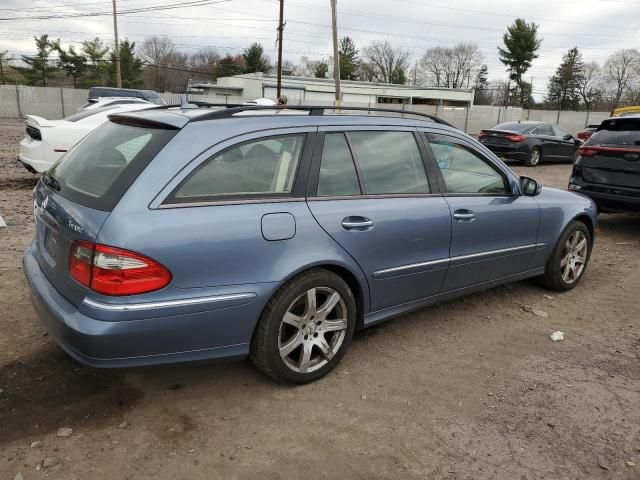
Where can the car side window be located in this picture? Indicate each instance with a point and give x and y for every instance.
(389, 162)
(544, 130)
(260, 167)
(337, 171)
(559, 131)
(465, 170)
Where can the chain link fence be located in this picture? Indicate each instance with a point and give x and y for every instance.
(53, 103)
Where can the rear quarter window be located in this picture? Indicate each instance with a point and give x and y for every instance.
(97, 171)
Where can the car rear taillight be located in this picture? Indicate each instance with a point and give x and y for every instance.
(115, 271)
(516, 138)
(584, 135)
(587, 151)
(482, 134)
(592, 151)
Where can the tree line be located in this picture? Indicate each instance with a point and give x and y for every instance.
(158, 64)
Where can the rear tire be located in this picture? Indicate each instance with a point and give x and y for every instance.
(568, 262)
(306, 328)
(535, 157)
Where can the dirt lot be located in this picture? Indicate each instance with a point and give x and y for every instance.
(471, 389)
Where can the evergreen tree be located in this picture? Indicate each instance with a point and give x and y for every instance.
(255, 60)
(320, 70)
(398, 76)
(521, 42)
(130, 66)
(39, 67)
(227, 67)
(564, 86)
(480, 85)
(348, 59)
(72, 63)
(96, 72)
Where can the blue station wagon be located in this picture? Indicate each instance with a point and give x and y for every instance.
(180, 234)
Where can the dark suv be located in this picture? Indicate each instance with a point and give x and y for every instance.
(607, 167)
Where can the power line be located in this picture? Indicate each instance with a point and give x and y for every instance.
(193, 3)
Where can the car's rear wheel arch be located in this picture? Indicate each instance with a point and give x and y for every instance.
(351, 280)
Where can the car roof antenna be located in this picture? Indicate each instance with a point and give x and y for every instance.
(184, 104)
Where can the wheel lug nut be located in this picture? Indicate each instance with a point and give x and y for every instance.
(315, 334)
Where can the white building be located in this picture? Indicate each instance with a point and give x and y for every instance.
(322, 91)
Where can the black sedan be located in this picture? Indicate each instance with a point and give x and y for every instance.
(530, 142)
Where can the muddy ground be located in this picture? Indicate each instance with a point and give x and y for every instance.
(471, 389)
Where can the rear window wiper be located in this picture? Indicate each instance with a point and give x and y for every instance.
(50, 181)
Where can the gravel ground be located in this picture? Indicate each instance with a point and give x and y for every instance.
(470, 389)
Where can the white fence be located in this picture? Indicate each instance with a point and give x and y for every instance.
(52, 103)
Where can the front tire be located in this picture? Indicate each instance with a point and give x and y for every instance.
(568, 262)
(535, 156)
(305, 328)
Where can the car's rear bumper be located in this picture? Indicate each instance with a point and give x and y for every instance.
(220, 329)
(35, 154)
(518, 153)
(608, 199)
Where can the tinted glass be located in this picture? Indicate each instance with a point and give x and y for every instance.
(88, 113)
(261, 167)
(559, 131)
(543, 130)
(618, 132)
(337, 171)
(97, 171)
(464, 170)
(390, 162)
(511, 127)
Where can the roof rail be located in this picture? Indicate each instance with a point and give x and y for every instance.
(230, 110)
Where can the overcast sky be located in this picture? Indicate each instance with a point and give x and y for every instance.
(597, 27)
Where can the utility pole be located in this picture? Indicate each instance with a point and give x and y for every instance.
(280, 30)
(336, 51)
(117, 46)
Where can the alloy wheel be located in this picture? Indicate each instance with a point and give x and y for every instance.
(534, 157)
(574, 257)
(312, 329)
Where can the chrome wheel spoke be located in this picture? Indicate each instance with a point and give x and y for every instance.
(335, 325)
(564, 261)
(293, 343)
(305, 359)
(324, 347)
(581, 244)
(328, 305)
(581, 260)
(293, 320)
(311, 302)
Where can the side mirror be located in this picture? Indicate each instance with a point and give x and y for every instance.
(578, 142)
(529, 186)
(567, 137)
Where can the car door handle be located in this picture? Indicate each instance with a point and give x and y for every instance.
(464, 215)
(357, 223)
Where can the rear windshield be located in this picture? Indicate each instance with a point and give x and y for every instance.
(97, 171)
(87, 113)
(512, 127)
(618, 132)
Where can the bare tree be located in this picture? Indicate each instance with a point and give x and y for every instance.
(454, 67)
(591, 85)
(618, 71)
(157, 53)
(204, 62)
(384, 63)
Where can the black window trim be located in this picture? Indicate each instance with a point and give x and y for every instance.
(297, 192)
(454, 139)
(314, 175)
